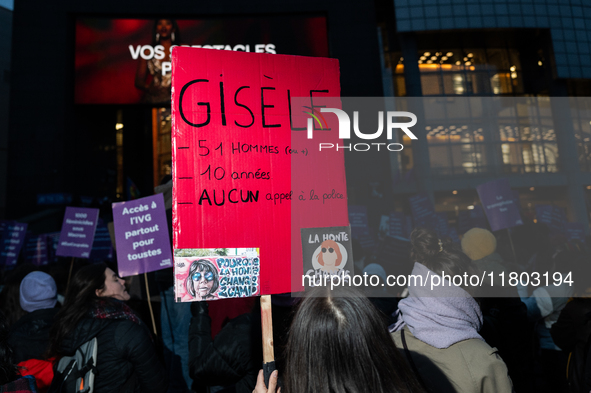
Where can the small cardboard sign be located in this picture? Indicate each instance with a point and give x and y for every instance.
(77, 233)
(213, 277)
(499, 204)
(327, 251)
(141, 235)
(12, 240)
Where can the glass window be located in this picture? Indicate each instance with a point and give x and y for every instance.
(467, 71)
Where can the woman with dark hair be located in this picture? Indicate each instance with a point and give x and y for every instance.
(94, 307)
(157, 88)
(438, 324)
(202, 281)
(338, 343)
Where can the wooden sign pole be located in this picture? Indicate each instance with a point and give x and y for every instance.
(512, 248)
(150, 305)
(70, 273)
(267, 325)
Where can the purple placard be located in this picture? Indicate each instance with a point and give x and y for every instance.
(397, 224)
(141, 236)
(574, 231)
(13, 238)
(553, 216)
(36, 250)
(499, 204)
(358, 216)
(421, 208)
(77, 233)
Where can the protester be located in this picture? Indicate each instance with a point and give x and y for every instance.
(94, 307)
(438, 327)
(175, 316)
(29, 336)
(8, 369)
(572, 333)
(505, 325)
(232, 358)
(10, 377)
(338, 343)
(543, 308)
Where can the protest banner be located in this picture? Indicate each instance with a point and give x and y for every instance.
(36, 251)
(245, 174)
(500, 207)
(11, 242)
(141, 235)
(77, 233)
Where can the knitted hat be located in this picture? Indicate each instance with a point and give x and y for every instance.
(478, 243)
(37, 291)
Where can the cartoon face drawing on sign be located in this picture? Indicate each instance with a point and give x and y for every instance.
(202, 280)
(331, 256)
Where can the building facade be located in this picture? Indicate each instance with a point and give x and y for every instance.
(521, 52)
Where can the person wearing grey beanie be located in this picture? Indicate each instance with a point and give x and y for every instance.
(38, 291)
(29, 336)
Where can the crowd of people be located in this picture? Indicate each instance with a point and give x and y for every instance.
(522, 338)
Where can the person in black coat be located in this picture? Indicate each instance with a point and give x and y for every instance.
(94, 307)
(232, 359)
(572, 333)
(29, 336)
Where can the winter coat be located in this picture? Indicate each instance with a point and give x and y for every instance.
(29, 336)
(233, 357)
(469, 366)
(126, 358)
(21, 385)
(506, 326)
(572, 333)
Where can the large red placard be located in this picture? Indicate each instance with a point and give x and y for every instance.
(245, 173)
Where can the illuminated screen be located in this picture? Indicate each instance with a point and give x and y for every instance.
(127, 61)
